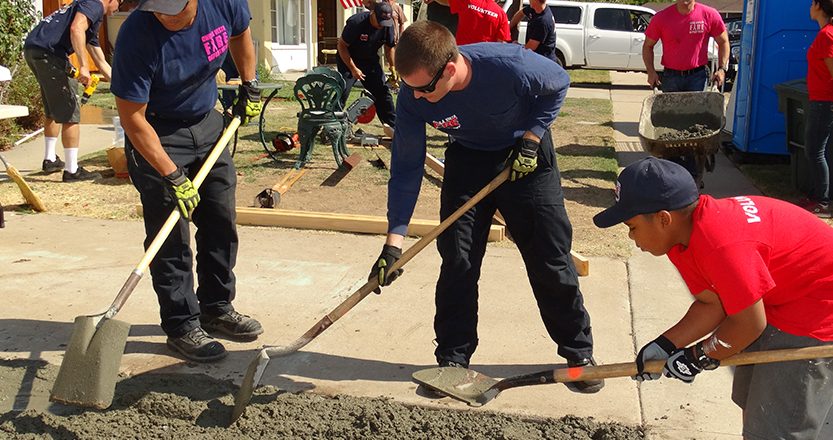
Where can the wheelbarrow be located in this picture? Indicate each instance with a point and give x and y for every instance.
(683, 124)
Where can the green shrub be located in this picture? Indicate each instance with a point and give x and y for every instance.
(17, 17)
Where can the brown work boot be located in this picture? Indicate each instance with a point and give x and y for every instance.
(584, 386)
(233, 325)
(197, 346)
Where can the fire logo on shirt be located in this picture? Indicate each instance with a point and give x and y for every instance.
(696, 27)
(449, 123)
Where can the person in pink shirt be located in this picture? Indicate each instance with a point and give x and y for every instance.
(684, 29)
(819, 112)
(479, 21)
(761, 274)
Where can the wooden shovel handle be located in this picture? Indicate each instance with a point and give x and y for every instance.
(626, 369)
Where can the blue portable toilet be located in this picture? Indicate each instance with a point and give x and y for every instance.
(773, 49)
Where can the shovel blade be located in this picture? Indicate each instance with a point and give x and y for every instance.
(90, 368)
(250, 381)
(460, 383)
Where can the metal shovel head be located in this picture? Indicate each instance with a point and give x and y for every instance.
(90, 367)
(460, 383)
(250, 381)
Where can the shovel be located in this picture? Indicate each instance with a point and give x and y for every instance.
(477, 389)
(91, 364)
(258, 364)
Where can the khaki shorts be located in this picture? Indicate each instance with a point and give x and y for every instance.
(785, 400)
(60, 102)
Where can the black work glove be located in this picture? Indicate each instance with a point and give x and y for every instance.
(247, 103)
(184, 192)
(658, 349)
(524, 158)
(686, 363)
(381, 268)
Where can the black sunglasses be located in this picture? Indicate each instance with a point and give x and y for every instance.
(430, 87)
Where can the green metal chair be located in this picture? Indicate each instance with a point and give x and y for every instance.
(319, 93)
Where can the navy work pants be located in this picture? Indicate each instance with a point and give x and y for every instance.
(374, 82)
(188, 144)
(534, 211)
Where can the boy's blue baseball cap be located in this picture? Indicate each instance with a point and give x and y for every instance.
(648, 186)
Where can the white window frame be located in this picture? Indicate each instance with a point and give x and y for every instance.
(300, 19)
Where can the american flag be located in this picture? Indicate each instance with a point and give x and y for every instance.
(347, 4)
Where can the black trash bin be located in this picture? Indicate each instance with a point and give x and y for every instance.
(792, 102)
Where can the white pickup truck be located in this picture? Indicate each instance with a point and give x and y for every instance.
(605, 36)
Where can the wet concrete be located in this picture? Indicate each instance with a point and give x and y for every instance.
(695, 131)
(174, 406)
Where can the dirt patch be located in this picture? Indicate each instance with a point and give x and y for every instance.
(168, 406)
(692, 132)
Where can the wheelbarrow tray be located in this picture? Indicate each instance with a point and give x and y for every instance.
(665, 112)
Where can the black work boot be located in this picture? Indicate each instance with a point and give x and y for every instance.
(52, 166)
(79, 175)
(585, 386)
(233, 325)
(197, 346)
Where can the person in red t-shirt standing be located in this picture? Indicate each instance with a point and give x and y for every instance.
(761, 273)
(684, 29)
(479, 21)
(819, 126)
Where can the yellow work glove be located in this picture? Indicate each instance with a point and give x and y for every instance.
(524, 159)
(184, 192)
(247, 103)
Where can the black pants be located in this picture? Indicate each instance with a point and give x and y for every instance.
(188, 143)
(374, 82)
(534, 211)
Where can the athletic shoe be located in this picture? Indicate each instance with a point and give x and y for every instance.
(52, 166)
(821, 210)
(584, 386)
(80, 175)
(198, 346)
(232, 324)
(806, 203)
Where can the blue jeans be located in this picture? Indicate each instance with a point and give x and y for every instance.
(818, 142)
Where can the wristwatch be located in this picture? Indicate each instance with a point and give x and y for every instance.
(721, 68)
(703, 360)
(251, 83)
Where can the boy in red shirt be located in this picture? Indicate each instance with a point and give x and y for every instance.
(761, 273)
(479, 21)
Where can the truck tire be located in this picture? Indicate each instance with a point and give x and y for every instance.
(560, 57)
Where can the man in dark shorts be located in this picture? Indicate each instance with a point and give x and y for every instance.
(166, 94)
(71, 29)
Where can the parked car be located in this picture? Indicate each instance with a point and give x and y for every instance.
(733, 28)
(606, 36)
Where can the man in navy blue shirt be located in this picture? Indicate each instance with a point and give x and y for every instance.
(540, 28)
(498, 102)
(363, 35)
(167, 55)
(71, 29)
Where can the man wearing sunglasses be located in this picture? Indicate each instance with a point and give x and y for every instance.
(71, 29)
(358, 59)
(498, 102)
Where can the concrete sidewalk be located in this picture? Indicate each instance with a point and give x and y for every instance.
(56, 268)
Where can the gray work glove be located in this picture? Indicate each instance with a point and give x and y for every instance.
(658, 349)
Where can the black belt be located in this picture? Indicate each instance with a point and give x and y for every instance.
(683, 72)
(162, 118)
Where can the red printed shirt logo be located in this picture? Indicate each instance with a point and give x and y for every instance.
(215, 43)
(364, 37)
(696, 27)
(449, 123)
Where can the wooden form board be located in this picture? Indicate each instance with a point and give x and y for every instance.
(366, 224)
